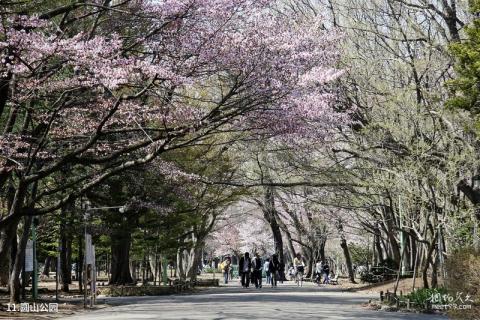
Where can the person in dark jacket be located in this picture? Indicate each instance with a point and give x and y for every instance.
(274, 267)
(257, 266)
(326, 273)
(244, 268)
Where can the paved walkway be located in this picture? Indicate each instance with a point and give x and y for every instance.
(234, 302)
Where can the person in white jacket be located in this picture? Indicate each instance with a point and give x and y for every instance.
(299, 267)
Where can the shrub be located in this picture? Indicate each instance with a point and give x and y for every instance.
(420, 296)
(209, 270)
(370, 277)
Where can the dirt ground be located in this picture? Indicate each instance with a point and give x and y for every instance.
(404, 285)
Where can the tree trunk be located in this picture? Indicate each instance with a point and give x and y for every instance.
(65, 271)
(321, 250)
(290, 247)
(269, 213)
(8, 235)
(66, 264)
(434, 281)
(15, 288)
(425, 276)
(346, 252)
(180, 271)
(46, 266)
(393, 241)
(378, 243)
(196, 260)
(121, 259)
(310, 263)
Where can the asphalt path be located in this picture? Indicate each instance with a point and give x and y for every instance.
(287, 301)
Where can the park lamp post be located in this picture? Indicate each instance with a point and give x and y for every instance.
(86, 216)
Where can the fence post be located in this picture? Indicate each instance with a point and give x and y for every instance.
(381, 296)
(408, 304)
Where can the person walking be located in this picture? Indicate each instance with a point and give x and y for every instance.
(318, 271)
(299, 267)
(266, 267)
(274, 268)
(326, 273)
(226, 269)
(245, 267)
(257, 266)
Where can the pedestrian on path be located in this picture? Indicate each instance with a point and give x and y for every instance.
(318, 271)
(257, 271)
(274, 268)
(245, 266)
(326, 273)
(266, 267)
(299, 267)
(226, 269)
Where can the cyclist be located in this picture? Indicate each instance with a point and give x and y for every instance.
(299, 267)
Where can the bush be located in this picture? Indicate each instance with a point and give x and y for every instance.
(370, 277)
(209, 270)
(420, 296)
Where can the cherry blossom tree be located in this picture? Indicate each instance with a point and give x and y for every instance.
(93, 89)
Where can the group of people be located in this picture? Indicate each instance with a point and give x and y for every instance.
(251, 269)
(322, 270)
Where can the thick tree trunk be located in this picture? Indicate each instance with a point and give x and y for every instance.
(348, 260)
(65, 271)
(46, 266)
(66, 264)
(290, 247)
(392, 240)
(121, 258)
(428, 260)
(425, 276)
(180, 271)
(269, 213)
(7, 236)
(321, 250)
(14, 282)
(310, 263)
(378, 243)
(434, 281)
(196, 260)
(346, 252)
